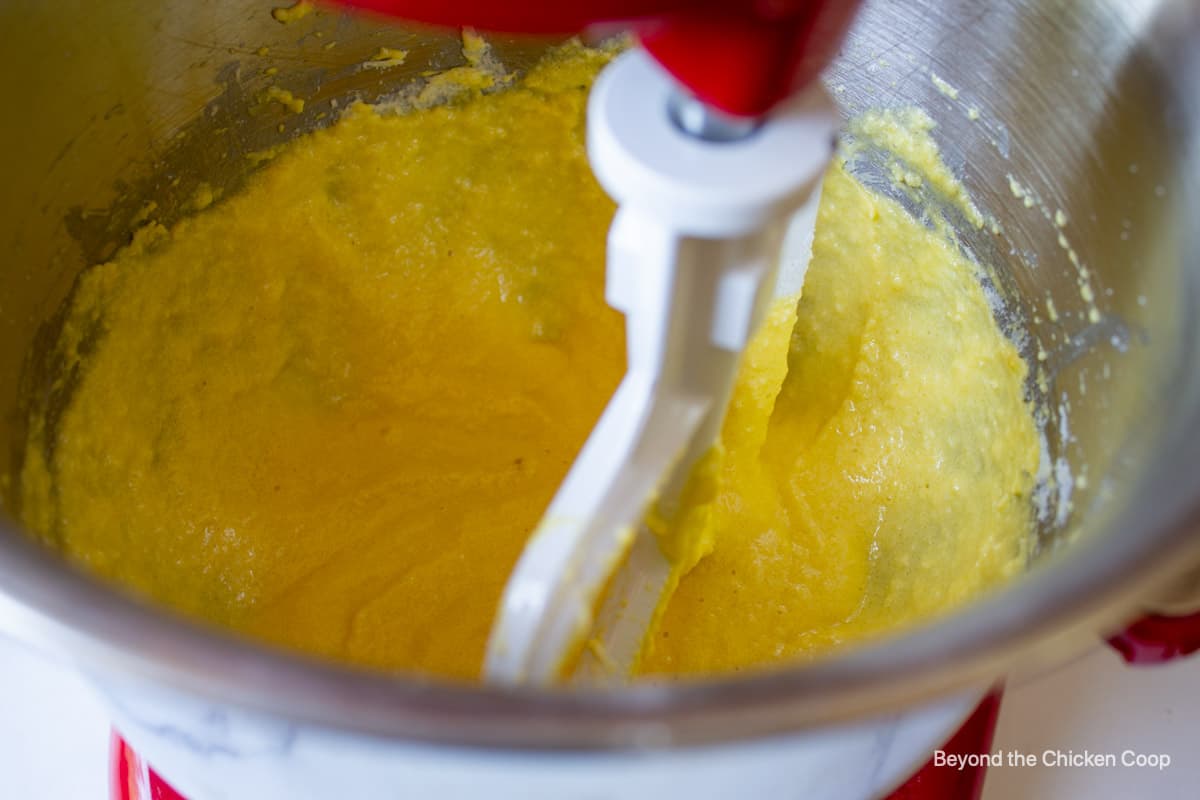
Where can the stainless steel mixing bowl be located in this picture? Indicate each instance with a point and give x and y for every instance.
(1092, 107)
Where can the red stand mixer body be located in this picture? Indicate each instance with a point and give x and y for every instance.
(740, 57)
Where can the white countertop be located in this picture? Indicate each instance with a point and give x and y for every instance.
(54, 735)
(1099, 705)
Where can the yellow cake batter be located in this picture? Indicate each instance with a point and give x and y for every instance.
(329, 410)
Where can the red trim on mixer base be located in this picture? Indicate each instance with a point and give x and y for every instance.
(1155, 639)
(933, 782)
(131, 778)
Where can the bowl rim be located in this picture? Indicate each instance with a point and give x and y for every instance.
(1051, 612)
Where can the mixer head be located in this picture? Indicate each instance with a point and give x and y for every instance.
(740, 57)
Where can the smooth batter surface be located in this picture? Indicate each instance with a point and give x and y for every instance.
(329, 410)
